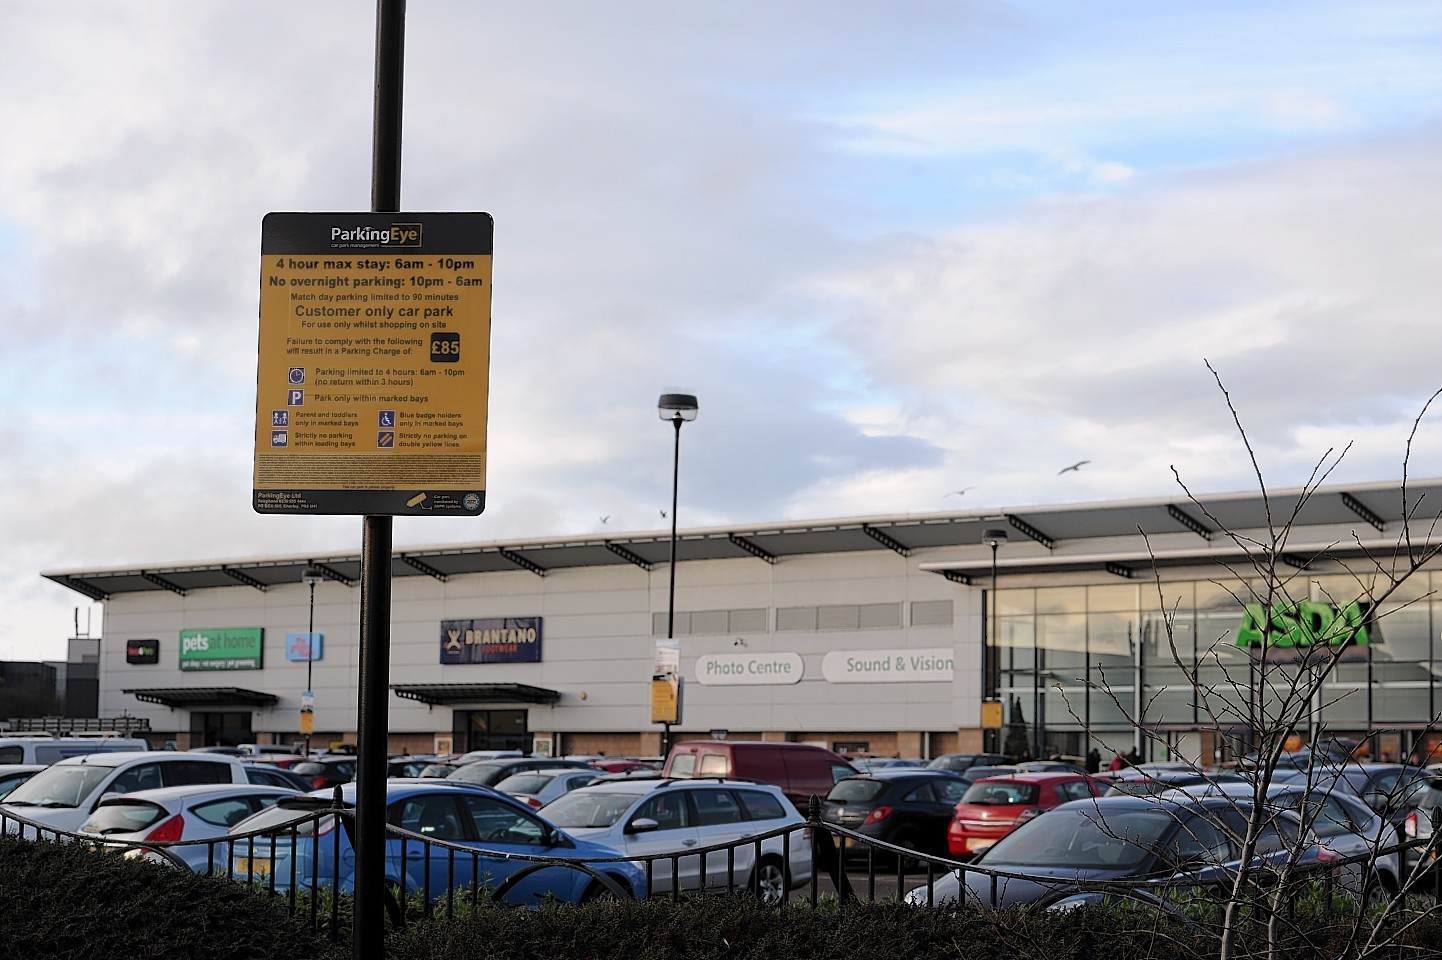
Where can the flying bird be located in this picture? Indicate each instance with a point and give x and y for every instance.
(1074, 467)
(605, 518)
(663, 514)
(958, 493)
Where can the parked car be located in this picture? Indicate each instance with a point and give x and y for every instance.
(327, 771)
(473, 755)
(1420, 862)
(1138, 782)
(65, 793)
(292, 843)
(14, 774)
(169, 814)
(994, 770)
(269, 775)
(645, 817)
(868, 764)
(962, 762)
(801, 770)
(409, 766)
(536, 788)
(492, 771)
(439, 769)
(1340, 821)
(1191, 841)
(907, 807)
(994, 806)
(45, 749)
(625, 764)
(1390, 789)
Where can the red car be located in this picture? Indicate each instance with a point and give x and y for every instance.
(992, 807)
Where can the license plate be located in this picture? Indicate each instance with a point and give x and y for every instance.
(256, 868)
(978, 843)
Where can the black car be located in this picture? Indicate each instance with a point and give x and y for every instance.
(906, 806)
(1186, 841)
(961, 762)
(326, 771)
(268, 774)
(1421, 861)
(491, 772)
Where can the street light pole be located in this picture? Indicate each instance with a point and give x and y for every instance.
(310, 577)
(678, 408)
(990, 654)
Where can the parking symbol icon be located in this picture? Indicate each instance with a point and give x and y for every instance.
(295, 398)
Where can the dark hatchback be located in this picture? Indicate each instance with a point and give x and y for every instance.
(1183, 842)
(906, 806)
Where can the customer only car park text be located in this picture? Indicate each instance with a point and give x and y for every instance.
(374, 363)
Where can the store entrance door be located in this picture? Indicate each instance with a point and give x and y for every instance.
(220, 729)
(492, 730)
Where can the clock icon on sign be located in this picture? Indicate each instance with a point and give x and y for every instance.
(297, 374)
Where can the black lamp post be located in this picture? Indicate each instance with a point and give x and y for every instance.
(678, 408)
(990, 654)
(310, 576)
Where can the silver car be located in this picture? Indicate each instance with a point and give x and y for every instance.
(643, 818)
(170, 814)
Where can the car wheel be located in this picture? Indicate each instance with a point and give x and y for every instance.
(909, 840)
(599, 892)
(769, 880)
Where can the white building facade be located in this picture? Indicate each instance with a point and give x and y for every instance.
(1112, 626)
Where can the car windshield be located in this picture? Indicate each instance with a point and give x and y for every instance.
(60, 786)
(1001, 793)
(857, 790)
(588, 807)
(1081, 838)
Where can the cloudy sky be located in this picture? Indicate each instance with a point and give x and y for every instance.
(896, 249)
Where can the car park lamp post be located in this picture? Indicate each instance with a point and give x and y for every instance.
(990, 652)
(310, 576)
(677, 408)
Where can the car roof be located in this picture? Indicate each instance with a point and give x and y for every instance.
(910, 773)
(118, 757)
(639, 786)
(1038, 776)
(201, 790)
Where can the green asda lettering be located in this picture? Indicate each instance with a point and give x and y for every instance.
(1309, 623)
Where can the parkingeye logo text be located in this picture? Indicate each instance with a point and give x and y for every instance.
(396, 235)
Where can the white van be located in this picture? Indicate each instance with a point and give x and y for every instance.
(47, 749)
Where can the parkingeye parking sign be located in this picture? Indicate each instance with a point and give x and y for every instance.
(374, 363)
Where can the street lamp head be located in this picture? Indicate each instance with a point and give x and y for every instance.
(994, 537)
(310, 576)
(676, 406)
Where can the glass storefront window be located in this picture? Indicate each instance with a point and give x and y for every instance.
(1013, 603)
(1061, 599)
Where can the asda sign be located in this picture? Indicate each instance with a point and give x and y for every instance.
(1309, 628)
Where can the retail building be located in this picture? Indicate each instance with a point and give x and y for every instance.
(865, 634)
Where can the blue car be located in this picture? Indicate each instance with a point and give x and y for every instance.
(454, 835)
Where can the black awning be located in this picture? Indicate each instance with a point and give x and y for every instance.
(448, 694)
(191, 697)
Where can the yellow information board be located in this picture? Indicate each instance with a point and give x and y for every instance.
(374, 363)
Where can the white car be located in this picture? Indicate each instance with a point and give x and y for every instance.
(643, 818)
(64, 794)
(193, 812)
